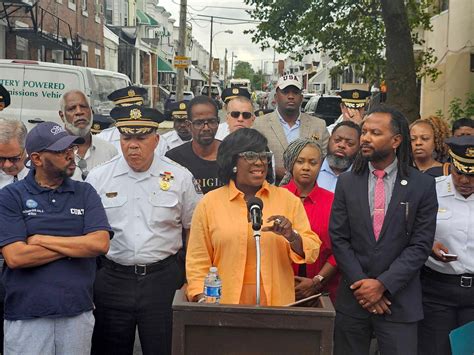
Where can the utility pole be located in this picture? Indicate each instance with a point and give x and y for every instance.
(210, 57)
(181, 49)
(232, 66)
(225, 69)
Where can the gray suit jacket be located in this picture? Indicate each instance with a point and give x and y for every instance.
(311, 126)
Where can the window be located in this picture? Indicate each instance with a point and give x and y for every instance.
(108, 11)
(85, 57)
(84, 5)
(443, 5)
(97, 61)
(71, 4)
(21, 48)
(57, 56)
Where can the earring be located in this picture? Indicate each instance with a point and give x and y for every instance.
(234, 169)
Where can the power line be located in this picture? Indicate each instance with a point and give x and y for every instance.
(230, 18)
(216, 7)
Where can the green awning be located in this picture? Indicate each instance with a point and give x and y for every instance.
(144, 19)
(164, 66)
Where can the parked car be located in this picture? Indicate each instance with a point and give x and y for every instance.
(326, 107)
(187, 96)
(216, 94)
(306, 98)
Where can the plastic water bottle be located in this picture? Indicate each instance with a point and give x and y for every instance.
(212, 286)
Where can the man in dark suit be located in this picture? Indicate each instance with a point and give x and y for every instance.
(382, 228)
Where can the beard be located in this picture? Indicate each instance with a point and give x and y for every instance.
(378, 155)
(55, 172)
(339, 163)
(76, 131)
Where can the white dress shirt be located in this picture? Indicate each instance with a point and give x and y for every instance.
(6, 179)
(146, 214)
(454, 228)
(172, 139)
(99, 152)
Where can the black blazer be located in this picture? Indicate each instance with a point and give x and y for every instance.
(403, 246)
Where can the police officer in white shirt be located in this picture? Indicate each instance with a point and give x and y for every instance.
(181, 132)
(149, 201)
(448, 276)
(130, 95)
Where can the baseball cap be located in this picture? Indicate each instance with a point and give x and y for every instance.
(288, 80)
(49, 136)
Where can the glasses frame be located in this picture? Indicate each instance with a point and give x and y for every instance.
(252, 157)
(246, 115)
(199, 124)
(14, 160)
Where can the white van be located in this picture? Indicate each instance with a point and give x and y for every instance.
(36, 87)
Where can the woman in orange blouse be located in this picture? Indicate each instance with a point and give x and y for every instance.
(221, 234)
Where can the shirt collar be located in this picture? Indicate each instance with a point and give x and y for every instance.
(124, 168)
(282, 121)
(389, 170)
(234, 192)
(313, 196)
(34, 188)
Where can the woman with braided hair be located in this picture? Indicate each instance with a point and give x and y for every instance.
(428, 147)
(302, 160)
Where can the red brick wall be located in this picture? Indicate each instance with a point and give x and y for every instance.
(89, 31)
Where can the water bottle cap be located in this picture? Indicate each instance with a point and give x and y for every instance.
(212, 269)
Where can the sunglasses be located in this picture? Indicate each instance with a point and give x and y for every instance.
(12, 160)
(252, 157)
(236, 114)
(210, 122)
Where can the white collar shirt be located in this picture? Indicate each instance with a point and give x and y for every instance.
(454, 228)
(172, 139)
(327, 178)
(98, 153)
(6, 179)
(146, 215)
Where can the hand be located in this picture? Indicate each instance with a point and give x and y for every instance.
(368, 290)
(197, 298)
(305, 287)
(436, 253)
(281, 226)
(34, 239)
(380, 307)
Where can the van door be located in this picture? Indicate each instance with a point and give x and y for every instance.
(11, 77)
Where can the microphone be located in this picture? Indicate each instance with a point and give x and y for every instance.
(255, 206)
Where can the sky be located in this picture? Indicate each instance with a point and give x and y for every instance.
(238, 42)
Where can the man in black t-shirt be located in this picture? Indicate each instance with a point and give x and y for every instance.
(199, 155)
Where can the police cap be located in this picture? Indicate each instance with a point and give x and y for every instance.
(231, 93)
(179, 110)
(131, 95)
(100, 122)
(136, 120)
(354, 98)
(461, 150)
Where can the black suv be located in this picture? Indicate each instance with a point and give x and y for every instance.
(326, 107)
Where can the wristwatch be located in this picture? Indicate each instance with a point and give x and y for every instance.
(318, 277)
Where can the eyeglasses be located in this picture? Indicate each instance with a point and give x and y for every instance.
(210, 122)
(71, 150)
(12, 160)
(252, 157)
(236, 114)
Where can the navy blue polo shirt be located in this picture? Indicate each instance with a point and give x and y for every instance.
(62, 288)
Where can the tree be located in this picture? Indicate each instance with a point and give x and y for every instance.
(375, 36)
(243, 70)
(258, 80)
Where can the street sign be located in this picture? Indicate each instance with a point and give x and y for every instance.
(181, 62)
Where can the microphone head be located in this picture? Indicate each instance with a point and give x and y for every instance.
(254, 201)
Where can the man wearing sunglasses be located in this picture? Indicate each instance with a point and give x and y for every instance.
(51, 230)
(199, 155)
(239, 111)
(287, 123)
(12, 151)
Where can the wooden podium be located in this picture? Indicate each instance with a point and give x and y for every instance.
(205, 329)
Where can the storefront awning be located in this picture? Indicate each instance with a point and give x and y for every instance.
(144, 19)
(195, 75)
(164, 66)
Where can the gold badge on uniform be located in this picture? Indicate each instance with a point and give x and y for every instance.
(96, 126)
(165, 180)
(131, 93)
(182, 106)
(355, 95)
(235, 91)
(469, 152)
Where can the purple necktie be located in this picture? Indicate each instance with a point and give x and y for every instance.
(379, 203)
